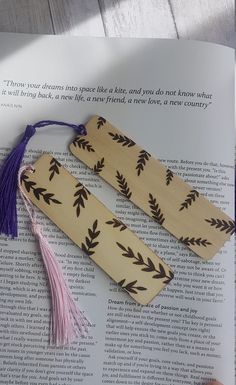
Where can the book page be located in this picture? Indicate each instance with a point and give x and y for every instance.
(175, 99)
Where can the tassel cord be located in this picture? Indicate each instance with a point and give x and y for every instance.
(80, 129)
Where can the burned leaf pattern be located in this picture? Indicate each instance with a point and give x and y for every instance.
(29, 184)
(100, 122)
(39, 192)
(149, 266)
(142, 159)
(81, 196)
(116, 223)
(155, 210)
(83, 143)
(124, 189)
(122, 139)
(97, 168)
(191, 197)
(90, 242)
(130, 287)
(194, 241)
(54, 168)
(222, 225)
(169, 176)
(169, 278)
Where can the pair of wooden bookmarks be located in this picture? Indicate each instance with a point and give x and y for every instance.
(165, 197)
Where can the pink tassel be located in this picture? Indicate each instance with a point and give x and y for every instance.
(67, 320)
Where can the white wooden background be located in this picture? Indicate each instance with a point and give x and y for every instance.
(208, 20)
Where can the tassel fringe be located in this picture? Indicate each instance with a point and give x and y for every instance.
(67, 320)
(8, 188)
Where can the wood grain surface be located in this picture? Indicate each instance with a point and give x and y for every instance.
(136, 18)
(211, 20)
(207, 20)
(27, 16)
(76, 17)
(166, 198)
(95, 229)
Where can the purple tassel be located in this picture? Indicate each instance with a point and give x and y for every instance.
(8, 185)
(9, 175)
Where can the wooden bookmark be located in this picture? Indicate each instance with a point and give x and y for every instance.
(161, 194)
(94, 228)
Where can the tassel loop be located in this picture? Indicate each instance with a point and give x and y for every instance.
(81, 130)
(36, 231)
(29, 132)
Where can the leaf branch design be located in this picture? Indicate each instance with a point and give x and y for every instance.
(222, 225)
(195, 241)
(100, 122)
(155, 210)
(191, 197)
(130, 287)
(90, 242)
(54, 169)
(39, 192)
(117, 223)
(99, 166)
(142, 159)
(81, 196)
(169, 176)
(124, 189)
(149, 265)
(124, 140)
(83, 143)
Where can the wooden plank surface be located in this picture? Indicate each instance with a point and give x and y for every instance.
(76, 17)
(27, 16)
(138, 18)
(206, 20)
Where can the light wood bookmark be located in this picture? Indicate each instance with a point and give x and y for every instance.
(94, 228)
(161, 194)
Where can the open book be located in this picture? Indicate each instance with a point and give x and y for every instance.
(175, 99)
